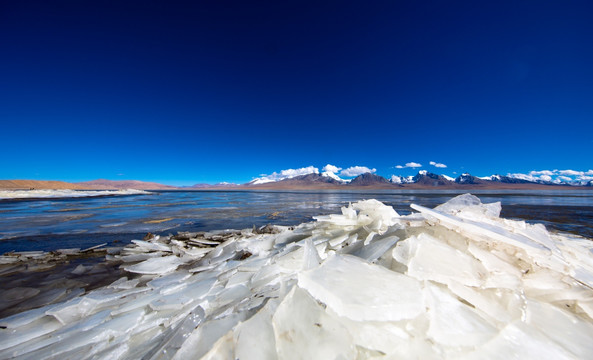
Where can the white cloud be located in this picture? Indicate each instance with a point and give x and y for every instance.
(523, 177)
(556, 176)
(439, 165)
(570, 172)
(331, 168)
(543, 172)
(356, 170)
(409, 165)
(285, 174)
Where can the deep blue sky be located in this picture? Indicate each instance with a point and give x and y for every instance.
(224, 91)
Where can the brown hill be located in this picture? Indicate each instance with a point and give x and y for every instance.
(104, 184)
(368, 179)
(302, 182)
(36, 184)
(425, 178)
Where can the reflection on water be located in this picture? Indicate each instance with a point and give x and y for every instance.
(83, 222)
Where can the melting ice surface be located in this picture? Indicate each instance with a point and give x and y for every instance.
(35, 194)
(456, 282)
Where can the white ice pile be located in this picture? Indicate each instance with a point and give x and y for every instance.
(34, 194)
(456, 282)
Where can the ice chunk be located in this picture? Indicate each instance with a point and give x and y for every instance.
(158, 265)
(361, 291)
(568, 331)
(124, 283)
(151, 246)
(311, 257)
(303, 330)
(518, 341)
(200, 341)
(470, 206)
(13, 337)
(485, 231)
(72, 310)
(453, 323)
(79, 270)
(496, 305)
(172, 341)
(437, 261)
(254, 339)
(23, 318)
(376, 249)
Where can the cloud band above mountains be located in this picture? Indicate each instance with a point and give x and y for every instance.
(568, 176)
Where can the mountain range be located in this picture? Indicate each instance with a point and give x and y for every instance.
(422, 180)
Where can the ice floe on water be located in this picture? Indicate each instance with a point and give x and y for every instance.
(37, 194)
(456, 282)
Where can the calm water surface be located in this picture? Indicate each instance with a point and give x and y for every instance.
(50, 224)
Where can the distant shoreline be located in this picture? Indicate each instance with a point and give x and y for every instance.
(60, 185)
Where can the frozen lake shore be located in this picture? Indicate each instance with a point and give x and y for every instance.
(456, 281)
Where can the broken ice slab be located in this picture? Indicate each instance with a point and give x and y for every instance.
(61, 334)
(93, 247)
(453, 323)
(196, 252)
(565, 329)
(200, 341)
(157, 265)
(498, 306)
(187, 293)
(470, 206)
(138, 256)
(485, 231)
(41, 326)
(5, 259)
(198, 241)
(168, 279)
(23, 318)
(518, 341)
(437, 261)
(175, 336)
(311, 257)
(303, 330)
(363, 292)
(254, 338)
(376, 249)
(151, 246)
(124, 283)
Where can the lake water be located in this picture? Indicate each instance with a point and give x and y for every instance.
(49, 224)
